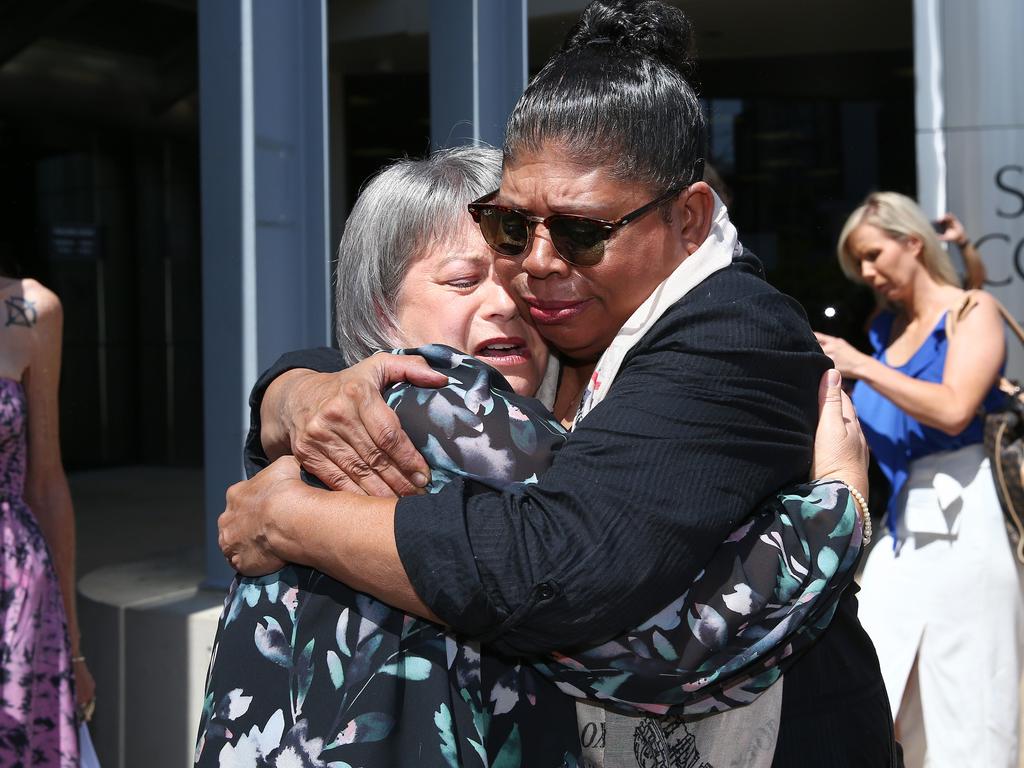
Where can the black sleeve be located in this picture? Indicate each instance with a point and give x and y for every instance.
(714, 411)
(322, 359)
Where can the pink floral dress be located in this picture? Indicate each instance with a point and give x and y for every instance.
(37, 700)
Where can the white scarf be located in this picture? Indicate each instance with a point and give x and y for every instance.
(715, 253)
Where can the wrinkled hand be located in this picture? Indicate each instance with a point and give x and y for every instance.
(242, 527)
(954, 232)
(840, 450)
(343, 432)
(845, 357)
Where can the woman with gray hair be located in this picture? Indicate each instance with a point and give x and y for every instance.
(303, 666)
(386, 297)
(307, 667)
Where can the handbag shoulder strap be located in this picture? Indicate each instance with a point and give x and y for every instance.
(960, 311)
(970, 301)
(1010, 321)
(1011, 388)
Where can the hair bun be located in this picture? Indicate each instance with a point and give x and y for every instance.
(646, 27)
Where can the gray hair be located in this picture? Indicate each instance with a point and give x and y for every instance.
(408, 206)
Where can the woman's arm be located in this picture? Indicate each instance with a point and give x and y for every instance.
(301, 412)
(46, 486)
(473, 427)
(693, 435)
(276, 518)
(955, 233)
(975, 356)
(767, 593)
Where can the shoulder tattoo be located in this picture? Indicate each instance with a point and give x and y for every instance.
(21, 311)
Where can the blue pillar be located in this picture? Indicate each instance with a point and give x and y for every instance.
(478, 68)
(263, 131)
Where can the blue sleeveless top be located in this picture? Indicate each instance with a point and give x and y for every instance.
(896, 438)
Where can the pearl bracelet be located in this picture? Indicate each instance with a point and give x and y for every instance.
(863, 504)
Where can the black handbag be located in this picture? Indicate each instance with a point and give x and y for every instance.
(1004, 446)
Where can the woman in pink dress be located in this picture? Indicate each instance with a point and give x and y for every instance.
(41, 666)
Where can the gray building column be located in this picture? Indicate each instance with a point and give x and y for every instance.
(970, 132)
(478, 64)
(263, 131)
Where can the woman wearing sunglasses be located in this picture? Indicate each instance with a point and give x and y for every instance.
(299, 658)
(689, 382)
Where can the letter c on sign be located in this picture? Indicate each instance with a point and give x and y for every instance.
(995, 236)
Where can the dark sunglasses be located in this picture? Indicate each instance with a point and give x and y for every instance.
(578, 240)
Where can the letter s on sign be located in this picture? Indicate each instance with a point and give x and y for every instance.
(1018, 193)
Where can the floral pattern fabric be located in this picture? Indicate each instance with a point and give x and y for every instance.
(37, 700)
(768, 593)
(307, 672)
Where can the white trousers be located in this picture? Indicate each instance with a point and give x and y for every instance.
(945, 613)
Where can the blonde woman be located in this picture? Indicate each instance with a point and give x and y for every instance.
(940, 594)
